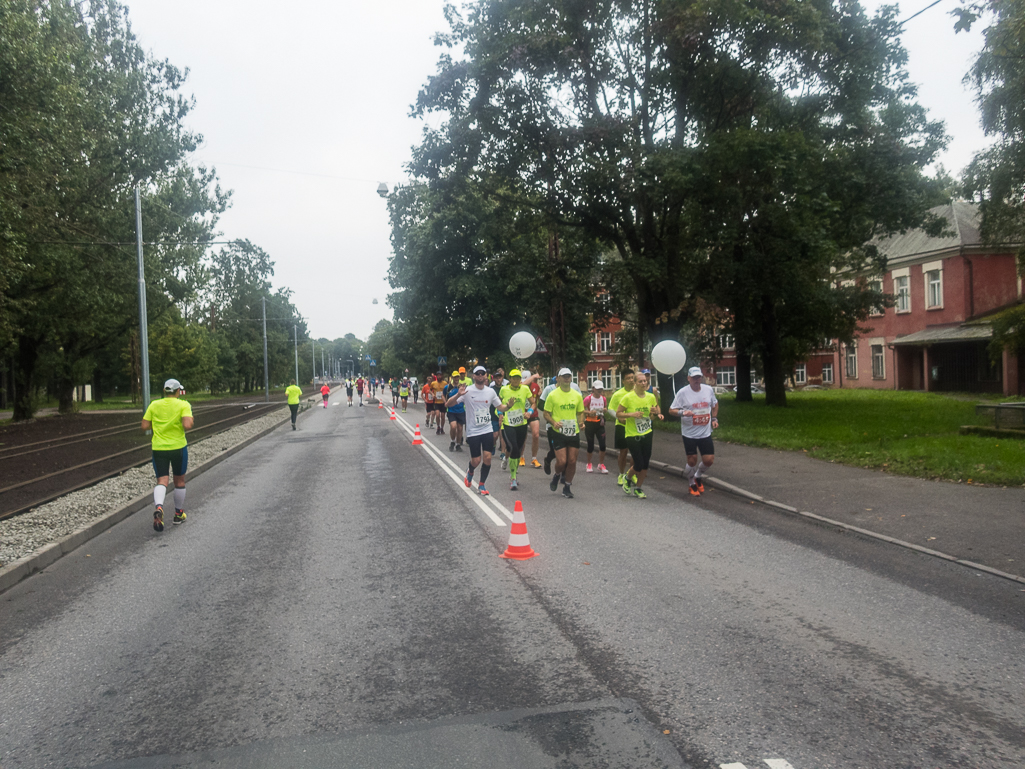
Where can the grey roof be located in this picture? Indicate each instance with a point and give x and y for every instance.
(949, 334)
(963, 220)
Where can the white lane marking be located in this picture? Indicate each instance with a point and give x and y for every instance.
(732, 766)
(439, 458)
(777, 763)
(456, 468)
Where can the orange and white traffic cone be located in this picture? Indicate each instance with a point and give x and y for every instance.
(393, 417)
(519, 543)
(417, 439)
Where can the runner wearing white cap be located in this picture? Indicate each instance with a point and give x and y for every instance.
(478, 400)
(169, 418)
(564, 411)
(697, 407)
(594, 425)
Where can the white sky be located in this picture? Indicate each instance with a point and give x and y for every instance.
(305, 109)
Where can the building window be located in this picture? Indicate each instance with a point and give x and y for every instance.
(726, 341)
(934, 289)
(877, 287)
(878, 362)
(852, 361)
(827, 373)
(616, 379)
(902, 288)
(594, 343)
(726, 375)
(605, 341)
(801, 373)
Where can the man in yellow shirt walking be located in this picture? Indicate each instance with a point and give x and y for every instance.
(169, 418)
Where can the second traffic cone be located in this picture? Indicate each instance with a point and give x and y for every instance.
(417, 438)
(519, 543)
(393, 417)
(380, 404)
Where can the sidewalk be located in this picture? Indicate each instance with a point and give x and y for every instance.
(985, 525)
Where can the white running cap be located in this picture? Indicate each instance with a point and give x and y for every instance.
(695, 371)
(563, 371)
(597, 385)
(172, 386)
(480, 370)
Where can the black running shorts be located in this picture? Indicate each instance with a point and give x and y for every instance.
(620, 439)
(171, 459)
(695, 445)
(457, 416)
(479, 443)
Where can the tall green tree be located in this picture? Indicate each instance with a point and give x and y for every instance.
(738, 150)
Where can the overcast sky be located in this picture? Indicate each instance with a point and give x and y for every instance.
(304, 109)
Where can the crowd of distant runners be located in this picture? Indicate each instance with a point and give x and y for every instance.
(490, 413)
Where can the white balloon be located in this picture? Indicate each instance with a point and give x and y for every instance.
(668, 356)
(522, 344)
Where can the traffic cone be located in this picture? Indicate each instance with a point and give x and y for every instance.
(380, 404)
(393, 417)
(417, 439)
(519, 543)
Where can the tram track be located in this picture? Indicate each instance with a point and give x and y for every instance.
(44, 482)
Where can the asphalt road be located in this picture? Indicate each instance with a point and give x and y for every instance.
(336, 599)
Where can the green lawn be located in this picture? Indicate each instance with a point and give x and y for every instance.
(909, 433)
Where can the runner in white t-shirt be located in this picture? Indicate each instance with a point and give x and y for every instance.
(478, 400)
(697, 407)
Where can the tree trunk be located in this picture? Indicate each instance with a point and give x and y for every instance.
(65, 395)
(743, 386)
(772, 356)
(23, 374)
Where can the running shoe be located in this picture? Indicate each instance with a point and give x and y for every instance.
(158, 519)
(589, 468)
(440, 431)
(452, 446)
(639, 493)
(603, 469)
(513, 486)
(622, 479)
(483, 492)
(505, 463)
(467, 481)
(523, 462)
(548, 465)
(459, 447)
(179, 517)
(293, 425)
(566, 492)
(626, 488)
(694, 490)
(534, 463)
(701, 485)
(555, 482)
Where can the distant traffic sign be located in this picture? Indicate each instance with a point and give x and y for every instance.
(541, 345)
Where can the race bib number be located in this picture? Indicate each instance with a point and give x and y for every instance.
(514, 418)
(568, 427)
(481, 418)
(702, 417)
(643, 425)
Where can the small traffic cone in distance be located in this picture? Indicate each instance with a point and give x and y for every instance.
(393, 417)
(380, 404)
(519, 543)
(417, 438)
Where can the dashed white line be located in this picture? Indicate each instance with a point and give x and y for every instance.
(773, 763)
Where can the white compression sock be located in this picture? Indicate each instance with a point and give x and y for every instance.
(702, 468)
(179, 499)
(158, 495)
(691, 470)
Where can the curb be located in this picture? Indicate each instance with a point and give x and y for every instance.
(14, 573)
(822, 520)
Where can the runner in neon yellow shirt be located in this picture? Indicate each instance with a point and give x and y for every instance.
(294, 392)
(169, 418)
(517, 400)
(564, 411)
(638, 408)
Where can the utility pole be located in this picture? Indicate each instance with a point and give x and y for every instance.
(295, 333)
(313, 357)
(143, 326)
(266, 372)
(323, 371)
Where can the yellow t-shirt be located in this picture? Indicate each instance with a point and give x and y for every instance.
(564, 407)
(517, 415)
(294, 392)
(165, 416)
(632, 402)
